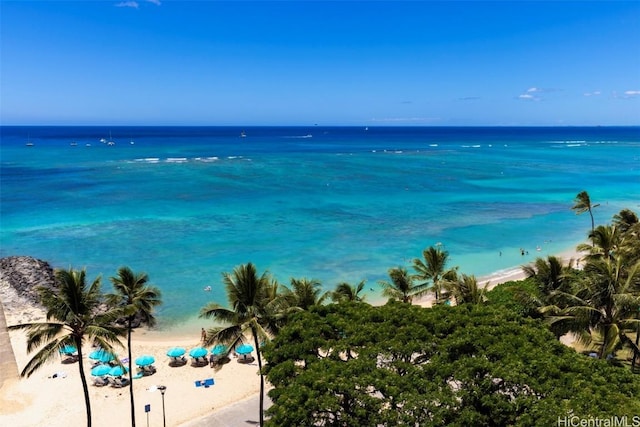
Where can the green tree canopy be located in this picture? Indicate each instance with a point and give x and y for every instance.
(397, 365)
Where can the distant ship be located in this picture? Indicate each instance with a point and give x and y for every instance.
(243, 135)
(29, 143)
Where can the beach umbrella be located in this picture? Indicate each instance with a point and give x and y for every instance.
(176, 352)
(244, 349)
(100, 370)
(68, 349)
(118, 371)
(101, 356)
(145, 360)
(219, 350)
(198, 352)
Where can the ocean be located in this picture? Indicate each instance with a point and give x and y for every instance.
(185, 204)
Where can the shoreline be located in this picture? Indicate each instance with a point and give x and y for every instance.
(234, 382)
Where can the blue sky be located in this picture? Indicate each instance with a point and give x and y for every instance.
(302, 62)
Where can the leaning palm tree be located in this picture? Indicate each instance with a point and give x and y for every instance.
(346, 292)
(251, 312)
(431, 269)
(74, 315)
(138, 300)
(400, 287)
(582, 204)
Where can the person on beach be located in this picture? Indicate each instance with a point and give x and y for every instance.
(203, 335)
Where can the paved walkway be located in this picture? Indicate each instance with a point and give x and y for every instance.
(8, 365)
(239, 414)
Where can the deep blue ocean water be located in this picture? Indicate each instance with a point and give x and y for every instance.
(186, 204)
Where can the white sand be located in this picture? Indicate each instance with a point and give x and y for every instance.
(43, 401)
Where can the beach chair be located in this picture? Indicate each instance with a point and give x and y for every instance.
(178, 361)
(119, 382)
(148, 370)
(100, 381)
(199, 362)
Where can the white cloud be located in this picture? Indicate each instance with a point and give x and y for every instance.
(528, 97)
(156, 2)
(632, 93)
(131, 4)
(533, 89)
(594, 93)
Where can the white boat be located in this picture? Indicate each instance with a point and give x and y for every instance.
(243, 135)
(110, 142)
(73, 143)
(29, 143)
(104, 141)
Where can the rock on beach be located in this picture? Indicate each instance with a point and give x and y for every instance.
(20, 276)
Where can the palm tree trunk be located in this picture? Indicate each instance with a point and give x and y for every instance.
(255, 340)
(83, 378)
(133, 410)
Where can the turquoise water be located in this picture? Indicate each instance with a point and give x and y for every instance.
(186, 204)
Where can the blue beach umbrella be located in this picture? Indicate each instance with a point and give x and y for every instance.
(101, 370)
(68, 349)
(219, 350)
(198, 352)
(244, 349)
(101, 356)
(176, 352)
(145, 360)
(118, 371)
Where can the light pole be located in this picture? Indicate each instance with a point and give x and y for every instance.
(162, 389)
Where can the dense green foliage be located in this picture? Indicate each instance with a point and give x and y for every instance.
(397, 365)
(520, 296)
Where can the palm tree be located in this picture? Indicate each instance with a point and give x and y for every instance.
(582, 204)
(628, 224)
(400, 287)
(432, 270)
(625, 220)
(550, 274)
(605, 240)
(250, 300)
(74, 315)
(603, 305)
(305, 293)
(465, 290)
(138, 300)
(347, 292)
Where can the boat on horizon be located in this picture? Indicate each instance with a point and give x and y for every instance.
(243, 135)
(29, 143)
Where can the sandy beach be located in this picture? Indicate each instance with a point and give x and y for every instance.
(43, 400)
(46, 401)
